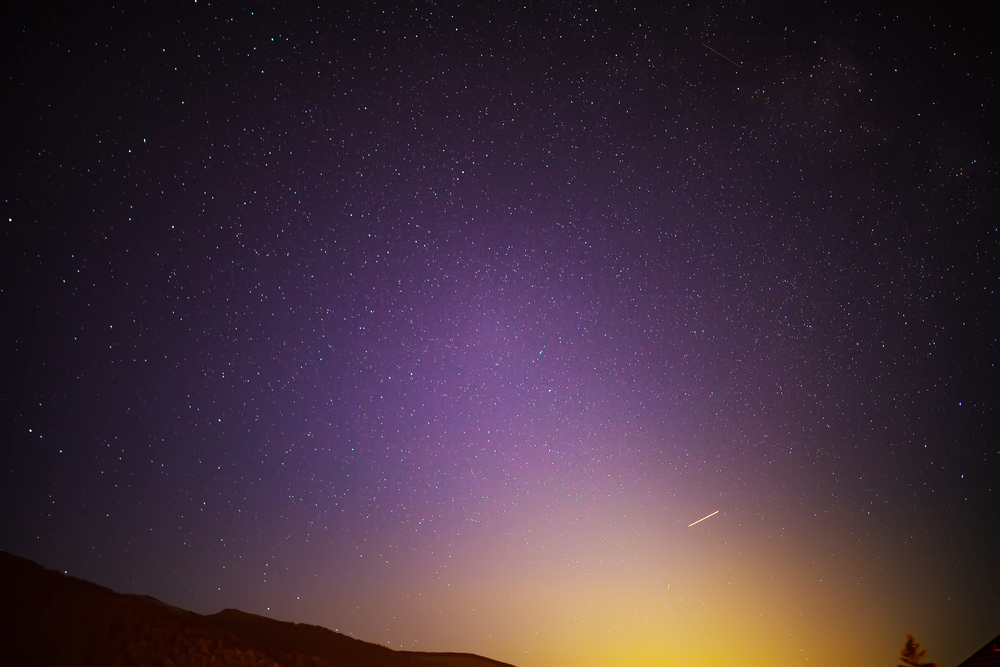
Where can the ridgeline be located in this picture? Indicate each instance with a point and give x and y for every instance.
(48, 618)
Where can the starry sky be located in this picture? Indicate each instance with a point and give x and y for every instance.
(438, 323)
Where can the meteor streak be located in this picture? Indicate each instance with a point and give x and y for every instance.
(721, 56)
(704, 517)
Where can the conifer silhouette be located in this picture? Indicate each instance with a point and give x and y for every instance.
(911, 655)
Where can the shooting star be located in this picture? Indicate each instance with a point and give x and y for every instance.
(703, 518)
(722, 56)
(443, 13)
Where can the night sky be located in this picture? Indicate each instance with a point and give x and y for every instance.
(437, 324)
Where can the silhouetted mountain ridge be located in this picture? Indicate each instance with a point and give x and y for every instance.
(50, 618)
(282, 637)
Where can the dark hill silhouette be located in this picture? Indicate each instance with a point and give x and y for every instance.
(458, 659)
(285, 639)
(47, 618)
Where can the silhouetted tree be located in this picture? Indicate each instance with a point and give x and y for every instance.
(911, 655)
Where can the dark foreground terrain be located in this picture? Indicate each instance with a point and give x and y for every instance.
(47, 618)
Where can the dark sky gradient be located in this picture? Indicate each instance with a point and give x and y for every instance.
(437, 324)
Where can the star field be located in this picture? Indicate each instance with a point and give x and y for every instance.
(437, 324)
